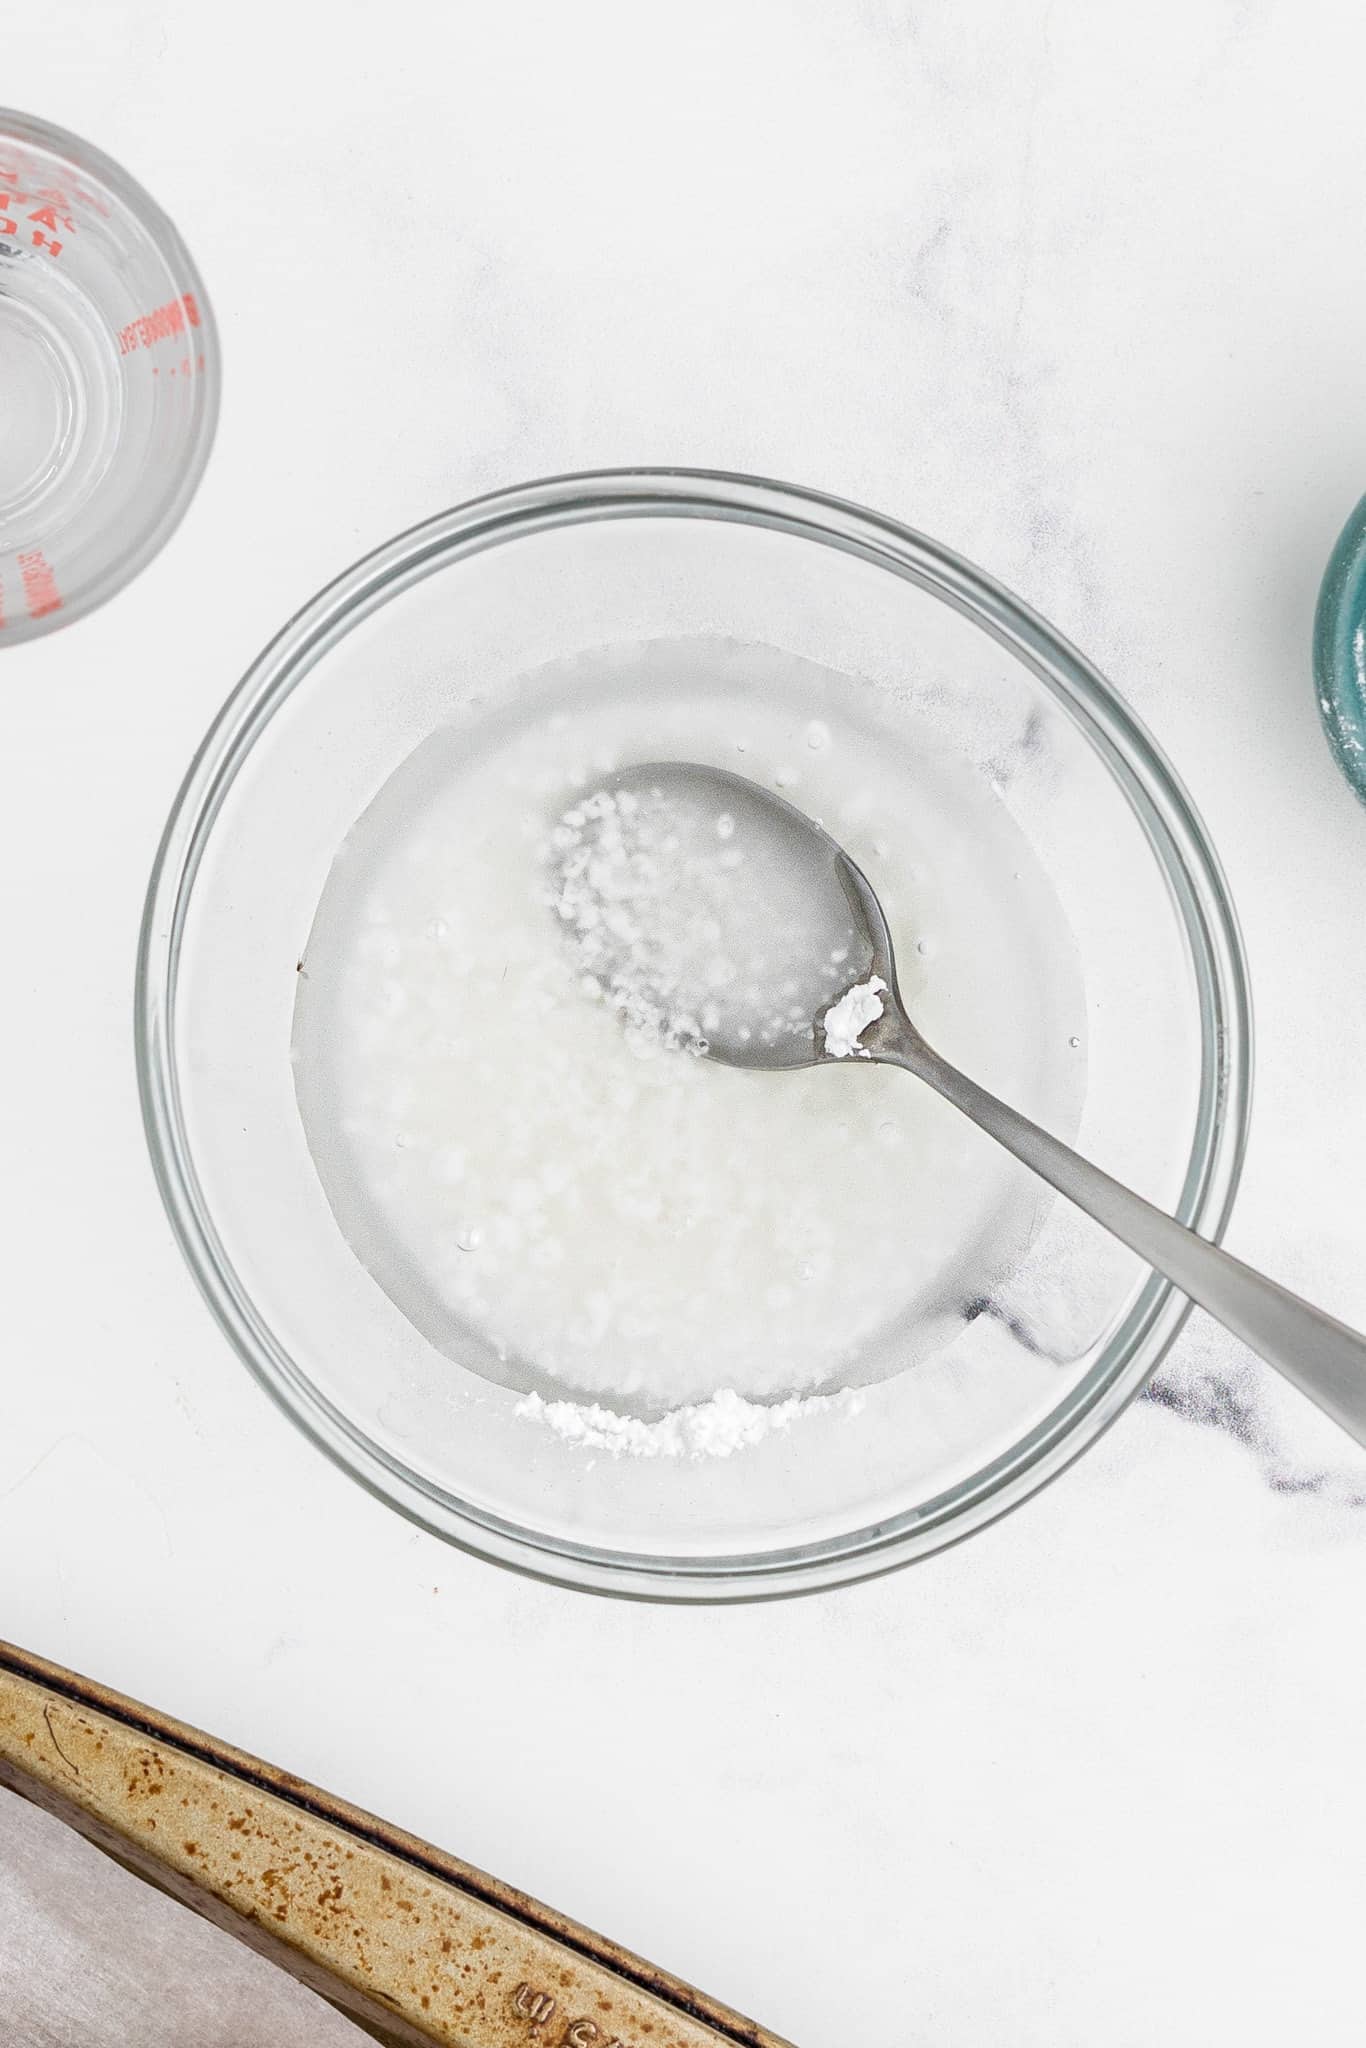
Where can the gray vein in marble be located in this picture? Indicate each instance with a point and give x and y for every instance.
(1242, 1400)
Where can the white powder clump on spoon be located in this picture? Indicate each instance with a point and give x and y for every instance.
(846, 1021)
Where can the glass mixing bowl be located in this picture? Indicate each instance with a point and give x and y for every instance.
(403, 643)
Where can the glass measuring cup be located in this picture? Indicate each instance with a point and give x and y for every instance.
(109, 377)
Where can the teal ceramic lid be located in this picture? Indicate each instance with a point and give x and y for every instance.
(1340, 651)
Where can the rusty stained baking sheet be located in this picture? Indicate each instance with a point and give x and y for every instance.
(412, 1945)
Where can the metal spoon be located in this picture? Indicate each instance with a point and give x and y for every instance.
(798, 908)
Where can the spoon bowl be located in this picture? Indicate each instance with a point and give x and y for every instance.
(693, 893)
(713, 913)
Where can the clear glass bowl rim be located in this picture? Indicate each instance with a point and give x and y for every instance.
(150, 538)
(1174, 832)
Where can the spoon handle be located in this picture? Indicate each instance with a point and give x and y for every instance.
(1323, 1357)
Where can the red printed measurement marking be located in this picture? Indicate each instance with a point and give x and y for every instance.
(15, 173)
(40, 221)
(45, 213)
(150, 328)
(41, 594)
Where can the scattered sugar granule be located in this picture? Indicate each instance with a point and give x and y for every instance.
(614, 887)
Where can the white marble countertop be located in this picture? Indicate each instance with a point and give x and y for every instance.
(1074, 289)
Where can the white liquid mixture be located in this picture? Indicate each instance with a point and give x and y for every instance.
(584, 1215)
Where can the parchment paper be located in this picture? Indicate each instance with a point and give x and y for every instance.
(91, 1957)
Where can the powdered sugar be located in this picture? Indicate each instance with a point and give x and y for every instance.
(846, 1021)
(704, 1429)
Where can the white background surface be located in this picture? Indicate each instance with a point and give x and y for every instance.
(1081, 292)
